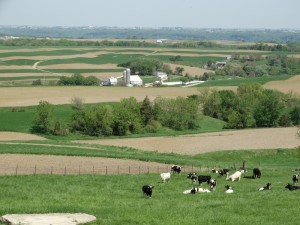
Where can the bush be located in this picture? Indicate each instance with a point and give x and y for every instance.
(37, 82)
(153, 126)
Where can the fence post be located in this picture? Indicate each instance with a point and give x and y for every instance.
(51, 170)
(118, 170)
(129, 169)
(148, 170)
(65, 170)
(93, 170)
(17, 170)
(139, 170)
(79, 170)
(105, 170)
(35, 170)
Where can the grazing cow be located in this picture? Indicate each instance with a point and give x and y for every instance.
(236, 176)
(165, 177)
(212, 184)
(256, 173)
(266, 188)
(147, 190)
(176, 169)
(295, 179)
(200, 178)
(222, 172)
(196, 190)
(203, 178)
(291, 187)
(228, 190)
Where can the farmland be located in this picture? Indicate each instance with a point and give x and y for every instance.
(114, 195)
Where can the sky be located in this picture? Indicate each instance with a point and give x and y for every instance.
(236, 14)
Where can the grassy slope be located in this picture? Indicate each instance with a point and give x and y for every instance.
(118, 199)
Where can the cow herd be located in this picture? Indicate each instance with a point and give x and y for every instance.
(212, 183)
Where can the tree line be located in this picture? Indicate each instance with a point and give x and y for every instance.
(252, 106)
(126, 117)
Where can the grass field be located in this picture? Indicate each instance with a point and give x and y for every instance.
(117, 199)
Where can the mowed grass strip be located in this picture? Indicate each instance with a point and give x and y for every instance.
(118, 199)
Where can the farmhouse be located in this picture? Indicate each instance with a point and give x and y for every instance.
(220, 65)
(160, 74)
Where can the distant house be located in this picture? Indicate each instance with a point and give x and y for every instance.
(220, 65)
(160, 74)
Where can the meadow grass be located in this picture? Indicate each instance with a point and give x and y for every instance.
(118, 199)
(20, 119)
(28, 78)
(230, 81)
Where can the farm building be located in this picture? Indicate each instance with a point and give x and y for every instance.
(160, 74)
(135, 80)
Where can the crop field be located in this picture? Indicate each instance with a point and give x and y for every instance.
(103, 177)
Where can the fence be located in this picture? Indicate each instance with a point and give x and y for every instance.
(103, 170)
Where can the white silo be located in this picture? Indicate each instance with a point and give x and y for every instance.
(124, 76)
(128, 77)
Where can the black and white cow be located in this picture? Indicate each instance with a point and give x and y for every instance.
(212, 184)
(222, 172)
(176, 169)
(292, 187)
(266, 188)
(295, 179)
(193, 177)
(201, 178)
(228, 189)
(147, 190)
(256, 173)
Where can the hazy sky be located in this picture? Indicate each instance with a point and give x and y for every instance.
(271, 14)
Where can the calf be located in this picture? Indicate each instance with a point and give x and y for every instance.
(291, 187)
(222, 172)
(228, 190)
(266, 188)
(295, 179)
(236, 176)
(176, 169)
(196, 190)
(212, 184)
(165, 176)
(193, 177)
(256, 173)
(147, 190)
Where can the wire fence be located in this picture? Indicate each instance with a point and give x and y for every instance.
(101, 170)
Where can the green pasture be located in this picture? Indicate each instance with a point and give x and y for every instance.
(48, 53)
(18, 62)
(233, 81)
(118, 199)
(28, 78)
(100, 59)
(20, 119)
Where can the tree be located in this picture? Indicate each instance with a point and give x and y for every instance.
(267, 111)
(179, 70)
(295, 115)
(179, 114)
(147, 112)
(43, 120)
(127, 117)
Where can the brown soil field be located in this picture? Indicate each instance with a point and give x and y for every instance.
(286, 86)
(269, 138)
(15, 136)
(79, 66)
(25, 96)
(192, 71)
(11, 164)
(25, 74)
